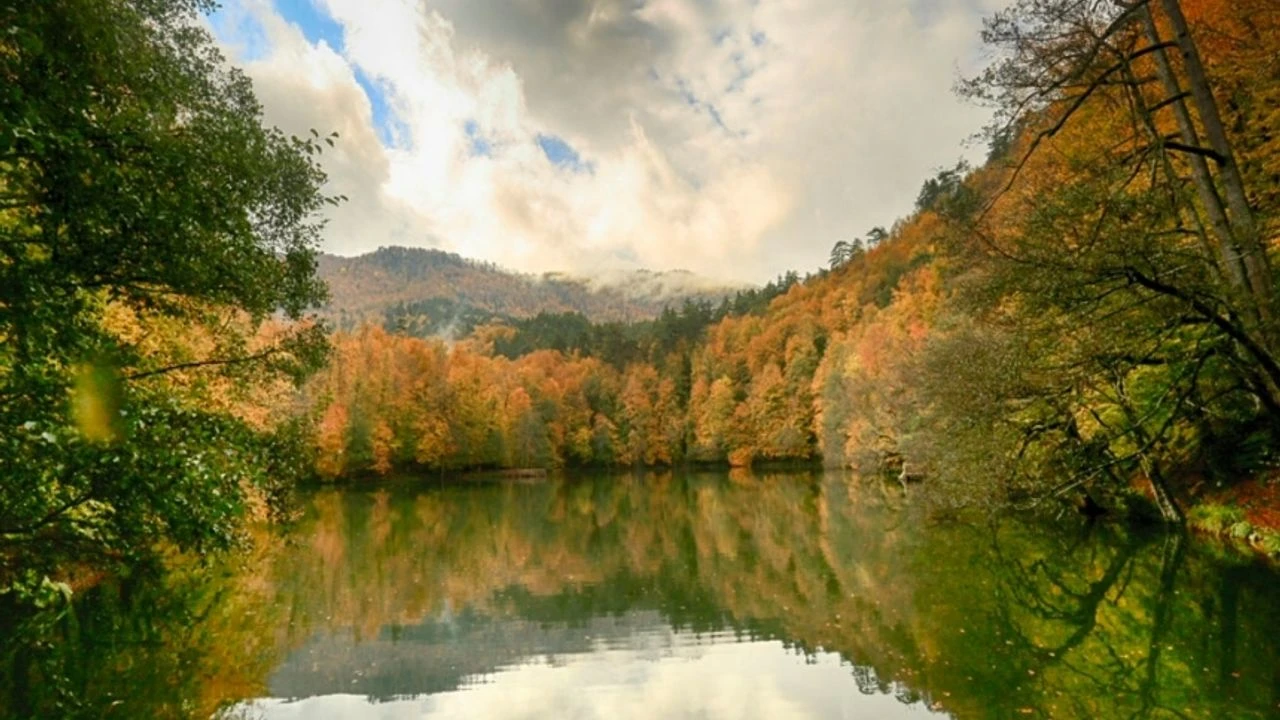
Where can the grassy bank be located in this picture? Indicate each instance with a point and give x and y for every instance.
(1246, 516)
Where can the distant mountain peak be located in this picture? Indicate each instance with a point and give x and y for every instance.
(395, 285)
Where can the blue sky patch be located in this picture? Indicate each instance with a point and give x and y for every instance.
(316, 25)
(240, 30)
(561, 153)
(479, 144)
(743, 73)
(715, 116)
(686, 94)
(698, 104)
(391, 130)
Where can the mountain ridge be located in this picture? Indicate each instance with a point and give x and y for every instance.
(436, 288)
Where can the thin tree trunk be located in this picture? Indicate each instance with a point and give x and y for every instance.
(1242, 219)
(1201, 176)
(1169, 509)
(1168, 506)
(1218, 249)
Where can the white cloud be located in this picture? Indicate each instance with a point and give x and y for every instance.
(303, 87)
(748, 681)
(734, 138)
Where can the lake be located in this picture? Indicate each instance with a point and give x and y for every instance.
(676, 595)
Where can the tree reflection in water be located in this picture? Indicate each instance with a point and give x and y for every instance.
(454, 583)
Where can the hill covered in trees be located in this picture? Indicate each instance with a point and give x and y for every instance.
(431, 292)
(1090, 314)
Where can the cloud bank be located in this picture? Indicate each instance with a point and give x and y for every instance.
(733, 138)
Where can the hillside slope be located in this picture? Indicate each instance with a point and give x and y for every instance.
(426, 291)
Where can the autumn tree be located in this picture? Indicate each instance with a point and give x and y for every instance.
(1133, 248)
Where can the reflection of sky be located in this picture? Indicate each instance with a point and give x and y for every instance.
(690, 679)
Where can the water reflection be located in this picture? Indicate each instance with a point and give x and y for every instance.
(679, 596)
(632, 666)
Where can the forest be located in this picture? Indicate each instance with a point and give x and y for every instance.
(1089, 317)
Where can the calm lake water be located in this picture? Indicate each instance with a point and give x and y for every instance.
(671, 596)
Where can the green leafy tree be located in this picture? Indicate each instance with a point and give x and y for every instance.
(135, 173)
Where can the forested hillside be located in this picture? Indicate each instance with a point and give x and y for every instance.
(431, 292)
(732, 384)
(1090, 313)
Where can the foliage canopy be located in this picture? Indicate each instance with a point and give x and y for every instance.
(143, 205)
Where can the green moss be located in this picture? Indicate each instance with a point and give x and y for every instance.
(1227, 521)
(1270, 542)
(1215, 519)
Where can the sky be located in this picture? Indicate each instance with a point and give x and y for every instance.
(736, 139)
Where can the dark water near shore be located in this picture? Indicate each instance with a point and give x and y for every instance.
(668, 596)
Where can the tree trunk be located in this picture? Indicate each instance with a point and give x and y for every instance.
(1242, 219)
(1202, 178)
(1169, 510)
